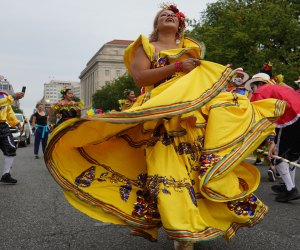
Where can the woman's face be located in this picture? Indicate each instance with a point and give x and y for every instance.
(69, 95)
(131, 96)
(256, 85)
(40, 107)
(167, 18)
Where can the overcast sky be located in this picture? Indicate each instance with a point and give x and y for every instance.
(43, 40)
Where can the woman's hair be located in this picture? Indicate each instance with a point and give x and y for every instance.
(64, 91)
(181, 18)
(126, 92)
(38, 104)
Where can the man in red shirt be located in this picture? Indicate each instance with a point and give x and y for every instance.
(287, 132)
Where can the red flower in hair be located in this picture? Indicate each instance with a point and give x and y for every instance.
(173, 8)
(267, 67)
(181, 19)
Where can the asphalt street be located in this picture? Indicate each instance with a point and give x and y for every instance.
(35, 215)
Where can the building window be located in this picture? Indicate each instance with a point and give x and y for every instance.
(107, 72)
(118, 72)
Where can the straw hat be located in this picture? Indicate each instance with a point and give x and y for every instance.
(245, 76)
(297, 81)
(259, 77)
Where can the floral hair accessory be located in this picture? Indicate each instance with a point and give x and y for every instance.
(180, 15)
(126, 92)
(63, 90)
(267, 66)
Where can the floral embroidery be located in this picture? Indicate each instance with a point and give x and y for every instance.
(153, 183)
(184, 148)
(125, 191)
(207, 161)
(245, 206)
(167, 139)
(145, 207)
(160, 62)
(86, 178)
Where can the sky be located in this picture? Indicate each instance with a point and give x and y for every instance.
(42, 40)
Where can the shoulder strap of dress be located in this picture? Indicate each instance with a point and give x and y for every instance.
(131, 49)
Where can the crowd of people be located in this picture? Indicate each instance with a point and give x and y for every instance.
(174, 156)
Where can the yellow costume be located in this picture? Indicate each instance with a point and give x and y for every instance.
(174, 159)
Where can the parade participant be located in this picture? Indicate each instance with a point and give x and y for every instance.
(297, 82)
(129, 101)
(175, 158)
(272, 173)
(41, 130)
(287, 133)
(66, 108)
(7, 144)
(238, 81)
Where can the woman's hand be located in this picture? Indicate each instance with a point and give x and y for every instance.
(189, 64)
(272, 149)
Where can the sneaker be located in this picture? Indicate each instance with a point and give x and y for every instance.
(37, 157)
(271, 175)
(257, 162)
(279, 188)
(7, 179)
(288, 195)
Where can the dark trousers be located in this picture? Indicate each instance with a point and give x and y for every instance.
(288, 140)
(38, 138)
(7, 143)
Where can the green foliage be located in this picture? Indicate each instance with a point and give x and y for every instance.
(249, 33)
(107, 97)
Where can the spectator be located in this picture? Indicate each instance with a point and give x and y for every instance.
(40, 124)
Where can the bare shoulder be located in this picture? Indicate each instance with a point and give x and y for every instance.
(140, 60)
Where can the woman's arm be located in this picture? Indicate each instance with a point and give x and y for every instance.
(143, 75)
(33, 121)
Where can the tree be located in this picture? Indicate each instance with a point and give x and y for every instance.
(107, 97)
(249, 33)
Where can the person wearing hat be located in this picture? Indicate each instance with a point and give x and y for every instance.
(259, 80)
(297, 82)
(237, 82)
(287, 132)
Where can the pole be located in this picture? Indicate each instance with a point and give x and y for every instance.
(279, 158)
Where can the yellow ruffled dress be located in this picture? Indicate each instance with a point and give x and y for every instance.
(173, 160)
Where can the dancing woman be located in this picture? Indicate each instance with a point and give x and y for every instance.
(66, 108)
(175, 158)
(129, 101)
